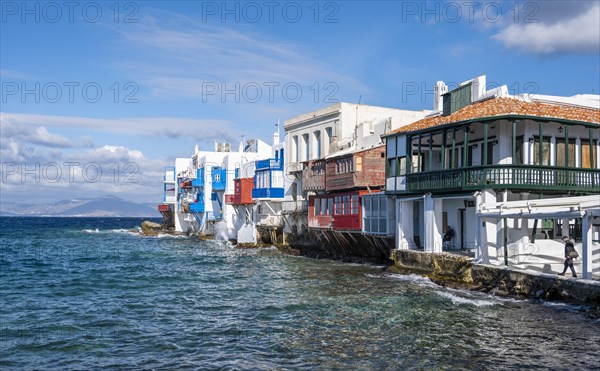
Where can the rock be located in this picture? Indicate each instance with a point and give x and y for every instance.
(540, 293)
(150, 225)
(150, 228)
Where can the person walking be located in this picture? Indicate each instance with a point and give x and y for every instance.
(570, 254)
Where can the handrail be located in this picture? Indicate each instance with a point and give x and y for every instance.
(506, 176)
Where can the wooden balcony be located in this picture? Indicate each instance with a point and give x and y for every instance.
(313, 176)
(518, 177)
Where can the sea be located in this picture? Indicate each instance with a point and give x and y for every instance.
(91, 293)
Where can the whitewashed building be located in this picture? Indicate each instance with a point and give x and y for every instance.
(202, 184)
(493, 167)
(313, 136)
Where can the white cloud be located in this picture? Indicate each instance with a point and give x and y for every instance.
(12, 74)
(29, 174)
(38, 165)
(558, 33)
(174, 56)
(157, 127)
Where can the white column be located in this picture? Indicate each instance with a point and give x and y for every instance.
(478, 250)
(565, 227)
(597, 155)
(553, 151)
(577, 152)
(586, 249)
(404, 225)
(433, 223)
(490, 229)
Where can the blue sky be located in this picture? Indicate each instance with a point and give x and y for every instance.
(161, 67)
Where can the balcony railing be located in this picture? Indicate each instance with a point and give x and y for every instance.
(290, 207)
(526, 177)
(199, 181)
(270, 164)
(197, 207)
(268, 193)
(293, 167)
(269, 220)
(212, 216)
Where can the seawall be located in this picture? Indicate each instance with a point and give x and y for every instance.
(339, 245)
(459, 271)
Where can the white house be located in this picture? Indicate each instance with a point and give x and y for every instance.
(492, 167)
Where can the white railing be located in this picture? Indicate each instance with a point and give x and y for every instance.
(293, 166)
(294, 206)
(269, 220)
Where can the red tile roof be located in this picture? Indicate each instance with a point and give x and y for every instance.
(506, 107)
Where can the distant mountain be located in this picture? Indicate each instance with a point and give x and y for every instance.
(105, 206)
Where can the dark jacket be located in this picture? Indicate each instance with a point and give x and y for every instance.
(569, 246)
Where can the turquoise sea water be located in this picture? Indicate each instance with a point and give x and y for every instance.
(87, 294)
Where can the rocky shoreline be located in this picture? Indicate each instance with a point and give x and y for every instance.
(462, 273)
(453, 271)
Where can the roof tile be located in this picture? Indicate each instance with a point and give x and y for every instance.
(506, 107)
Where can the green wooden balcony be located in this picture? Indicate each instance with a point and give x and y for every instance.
(519, 177)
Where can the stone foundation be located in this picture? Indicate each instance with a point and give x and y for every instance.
(461, 272)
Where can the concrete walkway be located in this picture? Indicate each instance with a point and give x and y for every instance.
(543, 257)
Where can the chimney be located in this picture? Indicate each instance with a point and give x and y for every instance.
(439, 90)
(479, 88)
(276, 134)
(196, 149)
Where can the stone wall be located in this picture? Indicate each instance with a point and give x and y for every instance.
(459, 271)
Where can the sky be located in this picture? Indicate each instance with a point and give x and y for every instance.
(98, 96)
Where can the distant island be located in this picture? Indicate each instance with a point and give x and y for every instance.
(104, 206)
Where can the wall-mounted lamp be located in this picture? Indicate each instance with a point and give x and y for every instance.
(475, 145)
(530, 139)
(496, 141)
(560, 130)
(430, 141)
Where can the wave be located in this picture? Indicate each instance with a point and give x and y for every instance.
(410, 278)
(167, 235)
(461, 300)
(565, 306)
(132, 231)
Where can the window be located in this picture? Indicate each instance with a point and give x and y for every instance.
(355, 204)
(416, 161)
(401, 168)
(317, 144)
(587, 157)
(561, 155)
(347, 208)
(390, 167)
(330, 206)
(324, 207)
(490, 153)
(317, 206)
(545, 148)
(518, 160)
(306, 146)
(338, 206)
(344, 165)
(295, 149)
